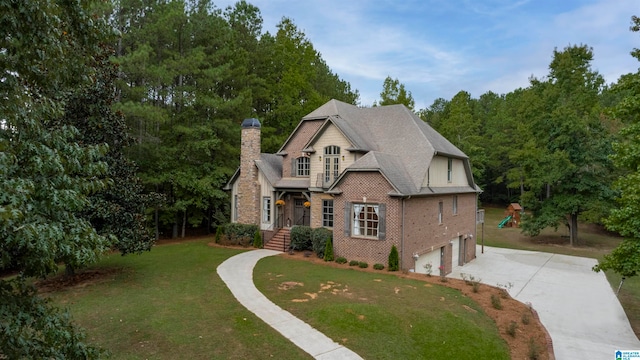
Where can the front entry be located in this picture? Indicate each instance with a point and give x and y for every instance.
(301, 214)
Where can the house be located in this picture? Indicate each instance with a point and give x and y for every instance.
(376, 177)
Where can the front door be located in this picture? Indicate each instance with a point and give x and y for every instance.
(300, 213)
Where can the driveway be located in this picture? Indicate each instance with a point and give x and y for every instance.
(576, 305)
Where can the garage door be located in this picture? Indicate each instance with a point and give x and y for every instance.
(455, 252)
(432, 258)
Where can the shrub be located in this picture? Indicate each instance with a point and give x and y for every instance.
(534, 349)
(341, 260)
(363, 265)
(240, 234)
(526, 318)
(219, 232)
(319, 237)
(378, 266)
(301, 238)
(354, 263)
(328, 251)
(511, 329)
(257, 240)
(394, 259)
(495, 302)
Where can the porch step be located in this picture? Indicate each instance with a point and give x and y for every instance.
(280, 241)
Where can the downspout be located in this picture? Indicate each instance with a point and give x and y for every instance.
(402, 237)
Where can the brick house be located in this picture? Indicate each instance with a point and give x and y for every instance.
(376, 177)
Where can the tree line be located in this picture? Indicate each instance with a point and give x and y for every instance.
(118, 112)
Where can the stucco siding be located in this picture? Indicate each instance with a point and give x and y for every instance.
(330, 136)
(438, 173)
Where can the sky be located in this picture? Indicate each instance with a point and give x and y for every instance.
(437, 48)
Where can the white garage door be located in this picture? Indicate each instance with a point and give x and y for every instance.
(432, 258)
(455, 252)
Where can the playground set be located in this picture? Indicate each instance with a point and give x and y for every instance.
(512, 218)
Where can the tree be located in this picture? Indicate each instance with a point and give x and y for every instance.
(393, 92)
(564, 164)
(118, 211)
(394, 259)
(46, 54)
(625, 259)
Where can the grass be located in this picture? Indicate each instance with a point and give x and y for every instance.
(170, 303)
(382, 316)
(594, 243)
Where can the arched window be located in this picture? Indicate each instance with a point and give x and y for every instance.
(331, 163)
(302, 166)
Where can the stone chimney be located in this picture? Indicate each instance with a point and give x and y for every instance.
(248, 186)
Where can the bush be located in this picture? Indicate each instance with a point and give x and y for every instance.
(341, 260)
(511, 329)
(363, 265)
(240, 234)
(354, 263)
(534, 349)
(219, 232)
(495, 302)
(394, 259)
(526, 318)
(328, 251)
(319, 237)
(257, 240)
(378, 266)
(301, 238)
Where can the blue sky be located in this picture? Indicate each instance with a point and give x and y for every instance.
(439, 47)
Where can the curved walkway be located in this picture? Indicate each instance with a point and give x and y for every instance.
(575, 304)
(237, 273)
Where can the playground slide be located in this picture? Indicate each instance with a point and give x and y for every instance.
(504, 222)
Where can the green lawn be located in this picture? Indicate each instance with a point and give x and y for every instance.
(170, 303)
(381, 316)
(594, 243)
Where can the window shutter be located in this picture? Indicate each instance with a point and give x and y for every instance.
(293, 167)
(382, 221)
(347, 218)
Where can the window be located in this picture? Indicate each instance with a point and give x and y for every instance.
(331, 163)
(302, 166)
(440, 212)
(327, 213)
(455, 204)
(266, 210)
(365, 220)
(449, 169)
(235, 207)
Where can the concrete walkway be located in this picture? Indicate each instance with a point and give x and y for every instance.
(237, 273)
(576, 305)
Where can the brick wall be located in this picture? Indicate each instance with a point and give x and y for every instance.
(423, 231)
(373, 186)
(248, 186)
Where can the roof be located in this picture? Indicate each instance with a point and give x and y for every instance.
(398, 143)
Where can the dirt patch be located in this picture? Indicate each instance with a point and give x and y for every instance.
(528, 325)
(81, 279)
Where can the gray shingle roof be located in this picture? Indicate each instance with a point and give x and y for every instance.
(402, 144)
(271, 167)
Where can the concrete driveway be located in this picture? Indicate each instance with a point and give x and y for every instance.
(576, 305)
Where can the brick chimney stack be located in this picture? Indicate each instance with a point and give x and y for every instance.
(248, 187)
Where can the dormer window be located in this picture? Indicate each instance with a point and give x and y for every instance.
(331, 163)
(302, 166)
